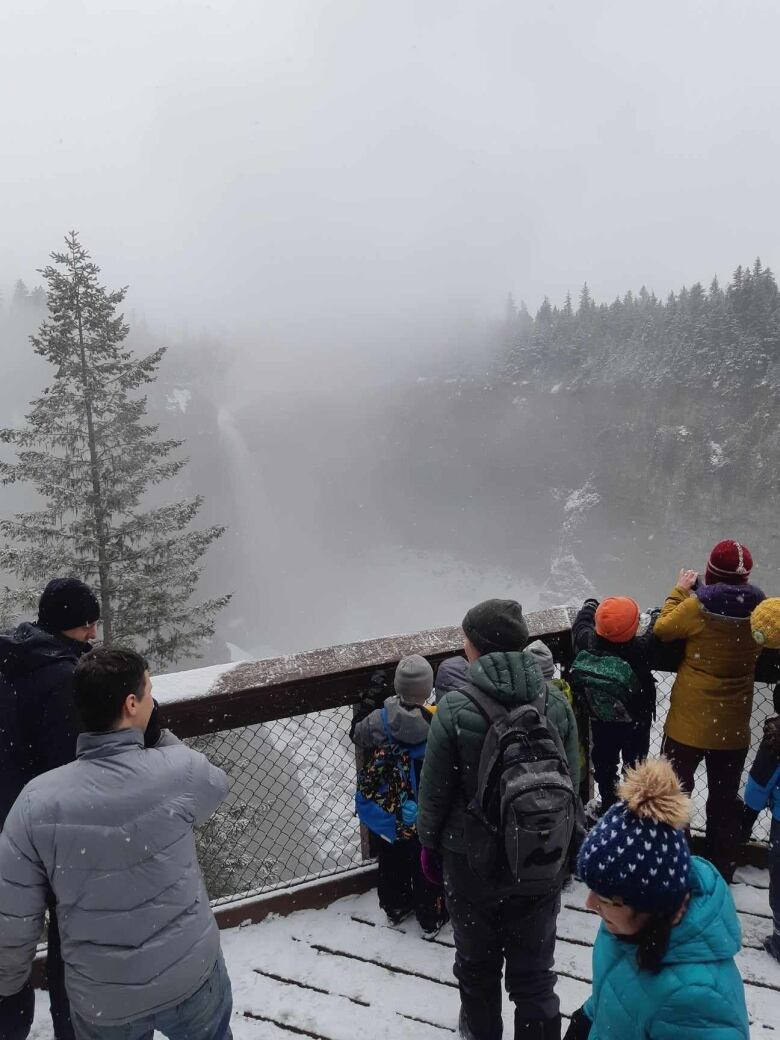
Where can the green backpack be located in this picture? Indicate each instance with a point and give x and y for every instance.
(607, 685)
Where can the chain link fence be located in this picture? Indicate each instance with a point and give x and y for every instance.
(289, 816)
(762, 709)
(290, 812)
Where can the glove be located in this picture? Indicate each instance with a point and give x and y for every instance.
(370, 699)
(153, 730)
(579, 1026)
(375, 695)
(430, 861)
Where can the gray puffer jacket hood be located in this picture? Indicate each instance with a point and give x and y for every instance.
(112, 833)
(408, 724)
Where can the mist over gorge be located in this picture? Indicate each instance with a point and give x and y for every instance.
(357, 513)
(593, 448)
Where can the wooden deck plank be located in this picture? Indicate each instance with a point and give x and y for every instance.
(374, 985)
(753, 876)
(749, 899)
(754, 930)
(343, 974)
(328, 1017)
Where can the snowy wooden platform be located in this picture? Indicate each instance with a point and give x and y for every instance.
(343, 974)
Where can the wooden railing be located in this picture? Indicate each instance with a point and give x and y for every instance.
(210, 701)
(260, 691)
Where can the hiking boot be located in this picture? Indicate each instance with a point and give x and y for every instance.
(395, 917)
(537, 1028)
(772, 946)
(431, 926)
(429, 934)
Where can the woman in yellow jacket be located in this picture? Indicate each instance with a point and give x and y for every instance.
(712, 696)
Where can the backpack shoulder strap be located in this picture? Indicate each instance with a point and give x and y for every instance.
(386, 725)
(489, 709)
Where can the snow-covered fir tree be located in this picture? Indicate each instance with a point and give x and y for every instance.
(92, 458)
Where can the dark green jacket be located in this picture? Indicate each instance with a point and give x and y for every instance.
(449, 775)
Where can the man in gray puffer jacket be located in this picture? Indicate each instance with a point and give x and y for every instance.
(112, 835)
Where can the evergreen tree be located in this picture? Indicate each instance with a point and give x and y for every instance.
(92, 459)
(727, 341)
(525, 322)
(586, 301)
(21, 295)
(544, 315)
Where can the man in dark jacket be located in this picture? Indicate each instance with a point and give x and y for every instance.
(610, 628)
(112, 835)
(492, 924)
(39, 726)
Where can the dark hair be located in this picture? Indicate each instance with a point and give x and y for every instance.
(653, 941)
(103, 680)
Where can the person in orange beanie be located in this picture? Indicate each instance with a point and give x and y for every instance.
(612, 680)
(617, 619)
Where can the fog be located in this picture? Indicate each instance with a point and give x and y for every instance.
(301, 167)
(341, 195)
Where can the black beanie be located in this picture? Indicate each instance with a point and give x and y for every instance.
(496, 624)
(67, 603)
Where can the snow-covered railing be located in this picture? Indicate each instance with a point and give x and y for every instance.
(280, 728)
(203, 700)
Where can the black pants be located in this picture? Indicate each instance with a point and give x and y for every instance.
(724, 808)
(493, 927)
(613, 741)
(403, 886)
(55, 982)
(16, 1012)
(774, 880)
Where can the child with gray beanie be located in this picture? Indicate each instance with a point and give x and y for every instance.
(542, 654)
(404, 722)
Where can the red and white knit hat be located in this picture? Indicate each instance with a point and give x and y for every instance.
(729, 562)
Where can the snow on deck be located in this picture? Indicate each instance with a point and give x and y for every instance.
(343, 974)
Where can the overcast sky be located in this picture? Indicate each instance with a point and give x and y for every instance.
(306, 166)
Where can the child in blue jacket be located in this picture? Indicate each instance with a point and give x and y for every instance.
(763, 786)
(403, 720)
(663, 961)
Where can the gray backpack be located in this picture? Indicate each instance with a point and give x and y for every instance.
(523, 815)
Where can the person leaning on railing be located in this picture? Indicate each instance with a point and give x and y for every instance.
(712, 695)
(401, 723)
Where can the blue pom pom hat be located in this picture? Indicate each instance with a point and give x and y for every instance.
(638, 851)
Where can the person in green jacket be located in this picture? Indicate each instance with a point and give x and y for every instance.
(663, 961)
(491, 923)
